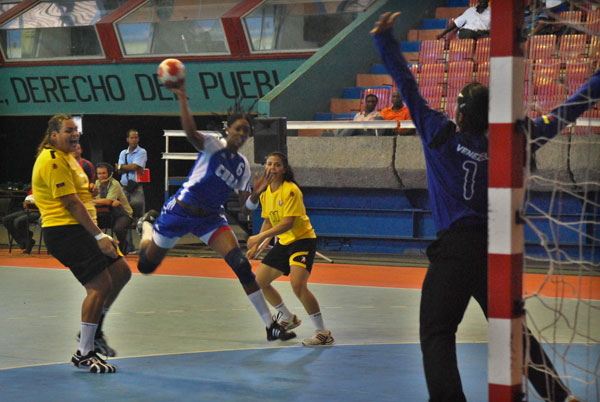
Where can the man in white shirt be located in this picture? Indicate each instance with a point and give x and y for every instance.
(474, 23)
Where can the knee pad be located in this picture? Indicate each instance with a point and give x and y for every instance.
(240, 265)
(145, 266)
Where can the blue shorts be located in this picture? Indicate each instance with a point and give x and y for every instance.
(176, 221)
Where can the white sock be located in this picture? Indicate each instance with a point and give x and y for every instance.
(260, 304)
(285, 313)
(147, 231)
(317, 320)
(86, 340)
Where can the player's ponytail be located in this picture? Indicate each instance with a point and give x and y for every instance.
(54, 124)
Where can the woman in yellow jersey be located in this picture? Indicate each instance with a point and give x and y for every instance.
(293, 255)
(64, 196)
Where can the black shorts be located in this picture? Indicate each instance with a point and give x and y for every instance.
(77, 250)
(301, 252)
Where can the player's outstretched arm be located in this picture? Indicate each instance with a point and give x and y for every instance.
(187, 120)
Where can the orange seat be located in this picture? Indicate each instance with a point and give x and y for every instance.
(592, 20)
(431, 51)
(577, 73)
(545, 72)
(461, 49)
(483, 73)
(460, 73)
(433, 95)
(572, 46)
(549, 96)
(482, 50)
(541, 46)
(432, 74)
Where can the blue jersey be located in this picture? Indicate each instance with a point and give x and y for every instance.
(215, 174)
(457, 164)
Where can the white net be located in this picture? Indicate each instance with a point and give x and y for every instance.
(562, 200)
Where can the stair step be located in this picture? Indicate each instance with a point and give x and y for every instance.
(457, 3)
(370, 80)
(449, 12)
(434, 23)
(341, 105)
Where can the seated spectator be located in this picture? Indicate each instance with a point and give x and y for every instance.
(474, 23)
(368, 114)
(86, 165)
(17, 223)
(397, 111)
(540, 17)
(111, 195)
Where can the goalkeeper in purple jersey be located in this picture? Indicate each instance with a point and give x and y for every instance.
(197, 207)
(456, 156)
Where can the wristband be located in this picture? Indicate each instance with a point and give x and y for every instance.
(100, 236)
(250, 205)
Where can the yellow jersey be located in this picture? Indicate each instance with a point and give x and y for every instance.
(287, 201)
(56, 174)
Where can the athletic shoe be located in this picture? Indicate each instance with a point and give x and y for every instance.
(92, 362)
(290, 323)
(149, 216)
(320, 338)
(275, 331)
(100, 345)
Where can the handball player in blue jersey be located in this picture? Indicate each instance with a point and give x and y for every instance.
(456, 156)
(197, 207)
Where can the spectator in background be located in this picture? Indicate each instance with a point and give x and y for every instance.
(17, 223)
(368, 114)
(86, 165)
(474, 23)
(397, 111)
(111, 195)
(540, 17)
(131, 161)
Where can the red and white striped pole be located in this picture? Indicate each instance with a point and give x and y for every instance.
(505, 194)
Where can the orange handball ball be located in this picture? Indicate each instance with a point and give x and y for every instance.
(171, 72)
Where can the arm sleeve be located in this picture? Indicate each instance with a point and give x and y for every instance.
(140, 158)
(547, 126)
(293, 205)
(60, 179)
(427, 121)
(121, 158)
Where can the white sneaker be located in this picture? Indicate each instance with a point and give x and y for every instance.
(319, 338)
(290, 323)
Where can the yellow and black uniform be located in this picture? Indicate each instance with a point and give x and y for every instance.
(298, 245)
(57, 174)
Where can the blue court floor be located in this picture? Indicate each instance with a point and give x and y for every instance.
(199, 339)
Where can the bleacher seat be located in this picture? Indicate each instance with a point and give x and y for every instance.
(461, 49)
(460, 73)
(592, 21)
(482, 50)
(545, 72)
(431, 51)
(433, 95)
(571, 17)
(432, 74)
(577, 72)
(541, 46)
(483, 73)
(572, 46)
(594, 49)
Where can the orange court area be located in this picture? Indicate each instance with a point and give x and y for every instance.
(567, 286)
